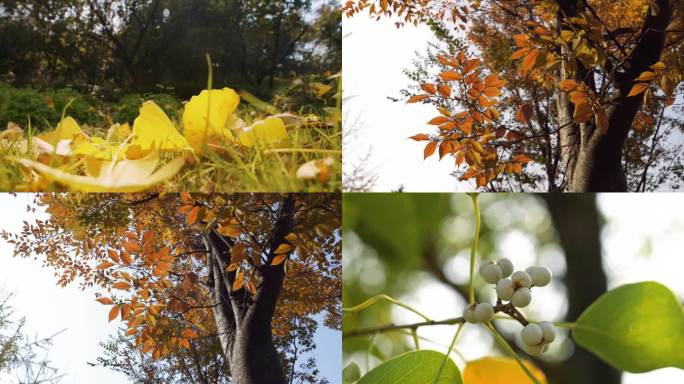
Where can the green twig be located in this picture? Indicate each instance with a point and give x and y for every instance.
(473, 249)
(500, 339)
(446, 357)
(416, 341)
(377, 298)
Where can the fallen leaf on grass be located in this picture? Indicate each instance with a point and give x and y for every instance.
(104, 176)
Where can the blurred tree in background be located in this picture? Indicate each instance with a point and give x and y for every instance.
(139, 45)
(23, 360)
(397, 244)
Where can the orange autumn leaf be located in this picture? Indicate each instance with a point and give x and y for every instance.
(114, 313)
(126, 258)
(429, 88)
(521, 40)
(132, 247)
(279, 259)
(189, 333)
(429, 149)
(121, 285)
(193, 216)
(183, 342)
(529, 61)
(450, 76)
(186, 198)
(113, 255)
(283, 248)
(645, 76)
(105, 265)
(439, 120)
(420, 137)
(638, 89)
(417, 98)
(105, 301)
(239, 281)
(444, 90)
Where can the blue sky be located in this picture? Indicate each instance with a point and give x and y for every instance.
(49, 309)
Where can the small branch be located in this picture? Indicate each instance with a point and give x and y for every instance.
(377, 298)
(392, 327)
(508, 309)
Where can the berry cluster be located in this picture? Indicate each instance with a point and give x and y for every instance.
(515, 288)
(537, 337)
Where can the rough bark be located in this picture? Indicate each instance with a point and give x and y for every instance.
(577, 222)
(593, 159)
(243, 322)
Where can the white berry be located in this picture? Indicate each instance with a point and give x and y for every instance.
(505, 289)
(549, 333)
(521, 279)
(491, 272)
(484, 312)
(521, 297)
(541, 276)
(532, 334)
(536, 350)
(506, 266)
(469, 314)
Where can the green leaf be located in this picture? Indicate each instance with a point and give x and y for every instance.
(417, 367)
(351, 373)
(635, 328)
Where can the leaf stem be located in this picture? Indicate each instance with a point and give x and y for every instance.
(377, 298)
(416, 341)
(473, 249)
(500, 339)
(446, 357)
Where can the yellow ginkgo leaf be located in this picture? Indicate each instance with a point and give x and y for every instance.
(500, 370)
(120, 176)
(67, 129)
(207, 114)
(95, 147)
(152, 129)
(119, 132)
(269, 132)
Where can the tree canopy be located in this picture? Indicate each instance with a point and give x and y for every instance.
(563, 95)
(248, 271)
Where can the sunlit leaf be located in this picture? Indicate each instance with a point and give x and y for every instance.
(417, 367)
(635, 327)
(152, 129)
(207, 114)
(268, 132)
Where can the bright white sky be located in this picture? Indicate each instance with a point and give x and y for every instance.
(49, 309)
(634, 220)
(375, 52)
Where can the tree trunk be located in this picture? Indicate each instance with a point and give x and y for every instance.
(577, 222)
(593, 160)
(244, 322)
